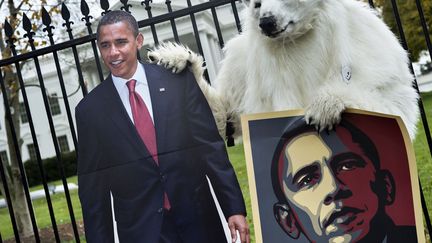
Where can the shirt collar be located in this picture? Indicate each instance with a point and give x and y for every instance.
(139, 76)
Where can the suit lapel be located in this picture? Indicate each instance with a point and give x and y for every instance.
(159, 102)
(118, 114)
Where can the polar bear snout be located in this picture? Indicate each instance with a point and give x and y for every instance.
(268, 25)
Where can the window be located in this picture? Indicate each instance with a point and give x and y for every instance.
(63, 143)
(23, 114)
(4, 157)
(54, 104)
(32, 151)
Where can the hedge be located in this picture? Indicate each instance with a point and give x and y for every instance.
(51, 168)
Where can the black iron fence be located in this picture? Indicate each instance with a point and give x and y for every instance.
(14, 83)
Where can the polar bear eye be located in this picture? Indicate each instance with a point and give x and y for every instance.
(257, 5)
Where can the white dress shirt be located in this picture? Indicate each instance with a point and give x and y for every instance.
(141, 88)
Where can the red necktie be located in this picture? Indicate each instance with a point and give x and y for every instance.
(144, 125)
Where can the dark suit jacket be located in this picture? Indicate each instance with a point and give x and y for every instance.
(384, 230)
(399, 233)
(113, 158)
(402, 234)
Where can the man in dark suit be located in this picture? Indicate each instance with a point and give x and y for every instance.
(153, 178)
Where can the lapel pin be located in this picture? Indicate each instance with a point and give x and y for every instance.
(161, 89)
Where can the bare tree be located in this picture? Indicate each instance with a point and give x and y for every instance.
(14, 178)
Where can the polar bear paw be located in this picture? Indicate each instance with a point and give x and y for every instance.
(176, 57)
(325, 112)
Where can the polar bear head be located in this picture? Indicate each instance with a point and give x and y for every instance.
(283, 18)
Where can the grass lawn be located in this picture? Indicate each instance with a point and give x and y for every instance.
(41, 210)
(423, 156)
(237, 158)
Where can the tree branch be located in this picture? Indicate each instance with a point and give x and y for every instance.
(1, 4)
(21, 3)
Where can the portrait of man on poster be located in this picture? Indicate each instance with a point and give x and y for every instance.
(341, 171)
(355, 183)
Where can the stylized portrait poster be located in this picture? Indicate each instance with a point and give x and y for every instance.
(357, 182)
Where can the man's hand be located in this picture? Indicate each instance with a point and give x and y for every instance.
(238, 222)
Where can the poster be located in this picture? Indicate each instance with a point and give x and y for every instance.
(356, 182)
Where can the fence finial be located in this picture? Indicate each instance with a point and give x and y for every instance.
(27, 26)
(125, 6)
(147, 4)
(66, 16)
(105, 6)
(9, 33)
(46, 20)
(85, 11)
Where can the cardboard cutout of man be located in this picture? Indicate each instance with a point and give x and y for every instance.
(147, 144)
(330, 187)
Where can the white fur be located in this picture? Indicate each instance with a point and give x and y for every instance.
(176, 57)
(301, 67)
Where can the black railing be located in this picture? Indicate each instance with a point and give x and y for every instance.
(76, 45)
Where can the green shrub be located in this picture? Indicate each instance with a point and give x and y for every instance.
(51, 167)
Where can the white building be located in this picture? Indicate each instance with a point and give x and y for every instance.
(425, 82)
(210, 46)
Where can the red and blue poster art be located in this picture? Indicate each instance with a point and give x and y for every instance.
(357, 182)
